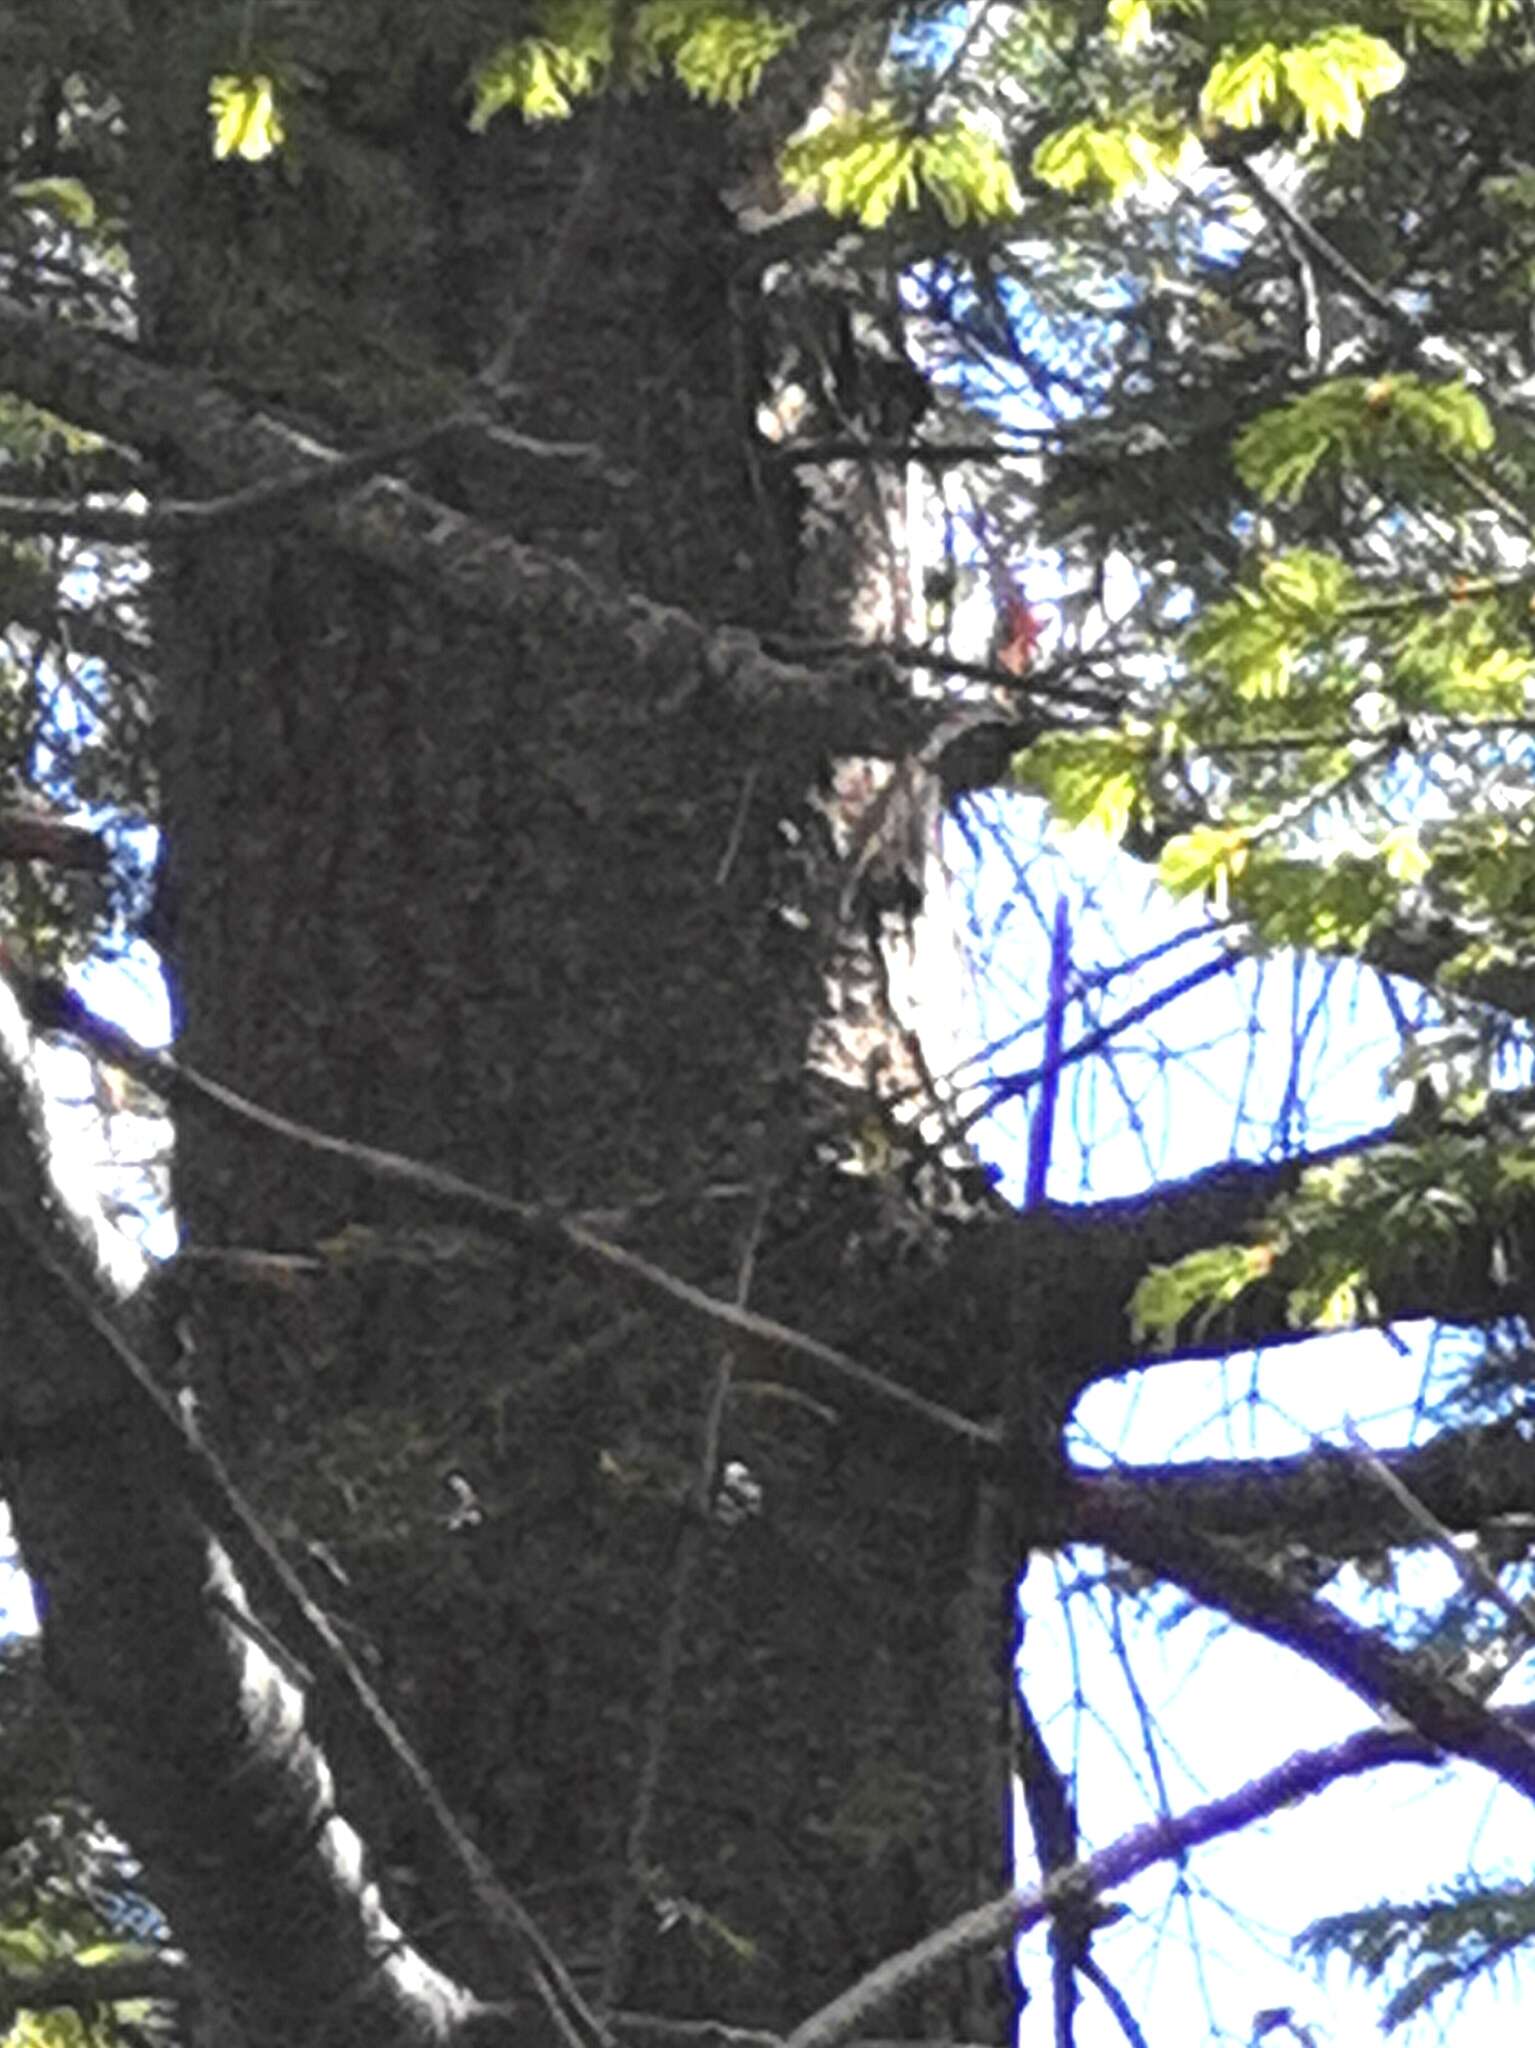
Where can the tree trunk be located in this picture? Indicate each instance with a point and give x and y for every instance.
(552, 915)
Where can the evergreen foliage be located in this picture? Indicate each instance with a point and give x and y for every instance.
(1259, 274)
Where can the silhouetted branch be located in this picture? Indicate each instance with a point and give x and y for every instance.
(988, 1926)
(1384, 1676)
(49, 1006)
(1466, 1479)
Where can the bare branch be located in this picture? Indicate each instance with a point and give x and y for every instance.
(275, 497)
(468, 566)
(1379, 1673)
(1464, 1478)
(194, 1740)
(1421, 953)
(687, 1559)
(82, 1985)
(50, 1006)
(1159, 1841)
(36, 835)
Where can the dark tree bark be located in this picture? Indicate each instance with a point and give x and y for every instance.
(492, 840)
(518, 901)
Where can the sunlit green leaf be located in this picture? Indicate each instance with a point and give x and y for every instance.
(969, 173)
(1466, 659)
(541, 76)
(1373, 425)
(1242, 89)
(1250, 643)
(1204, 861)
(1331, 902)
(246, 122)
(1198, 1286)
(1108, 160)
(863, 164)
(65, 198)
(1308, 585)
(1091, 778)
(1333, 1301)
(1401, 851)
(717, 51)
(722, 56)
(1458, 25)
(1130, 22)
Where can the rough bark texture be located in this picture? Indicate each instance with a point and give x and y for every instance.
(545, 892)
(193, 1739)
(517, 905)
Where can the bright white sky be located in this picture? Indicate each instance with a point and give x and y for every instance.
(1225, 1706)
(1211, 1076)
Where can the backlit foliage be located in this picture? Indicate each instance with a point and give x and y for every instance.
(718, 53)
(246, 121)
(1431, 1946)
(872, 164)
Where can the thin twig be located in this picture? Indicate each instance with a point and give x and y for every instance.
(698, 1512)
(1396, 318)
(737, 826)
(582, 209)
(50, 1006)
(1474, 1575)
(1114, 1999)
(215, 1494)
(986, 1927)
(254, 505)
(1219, 1576)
